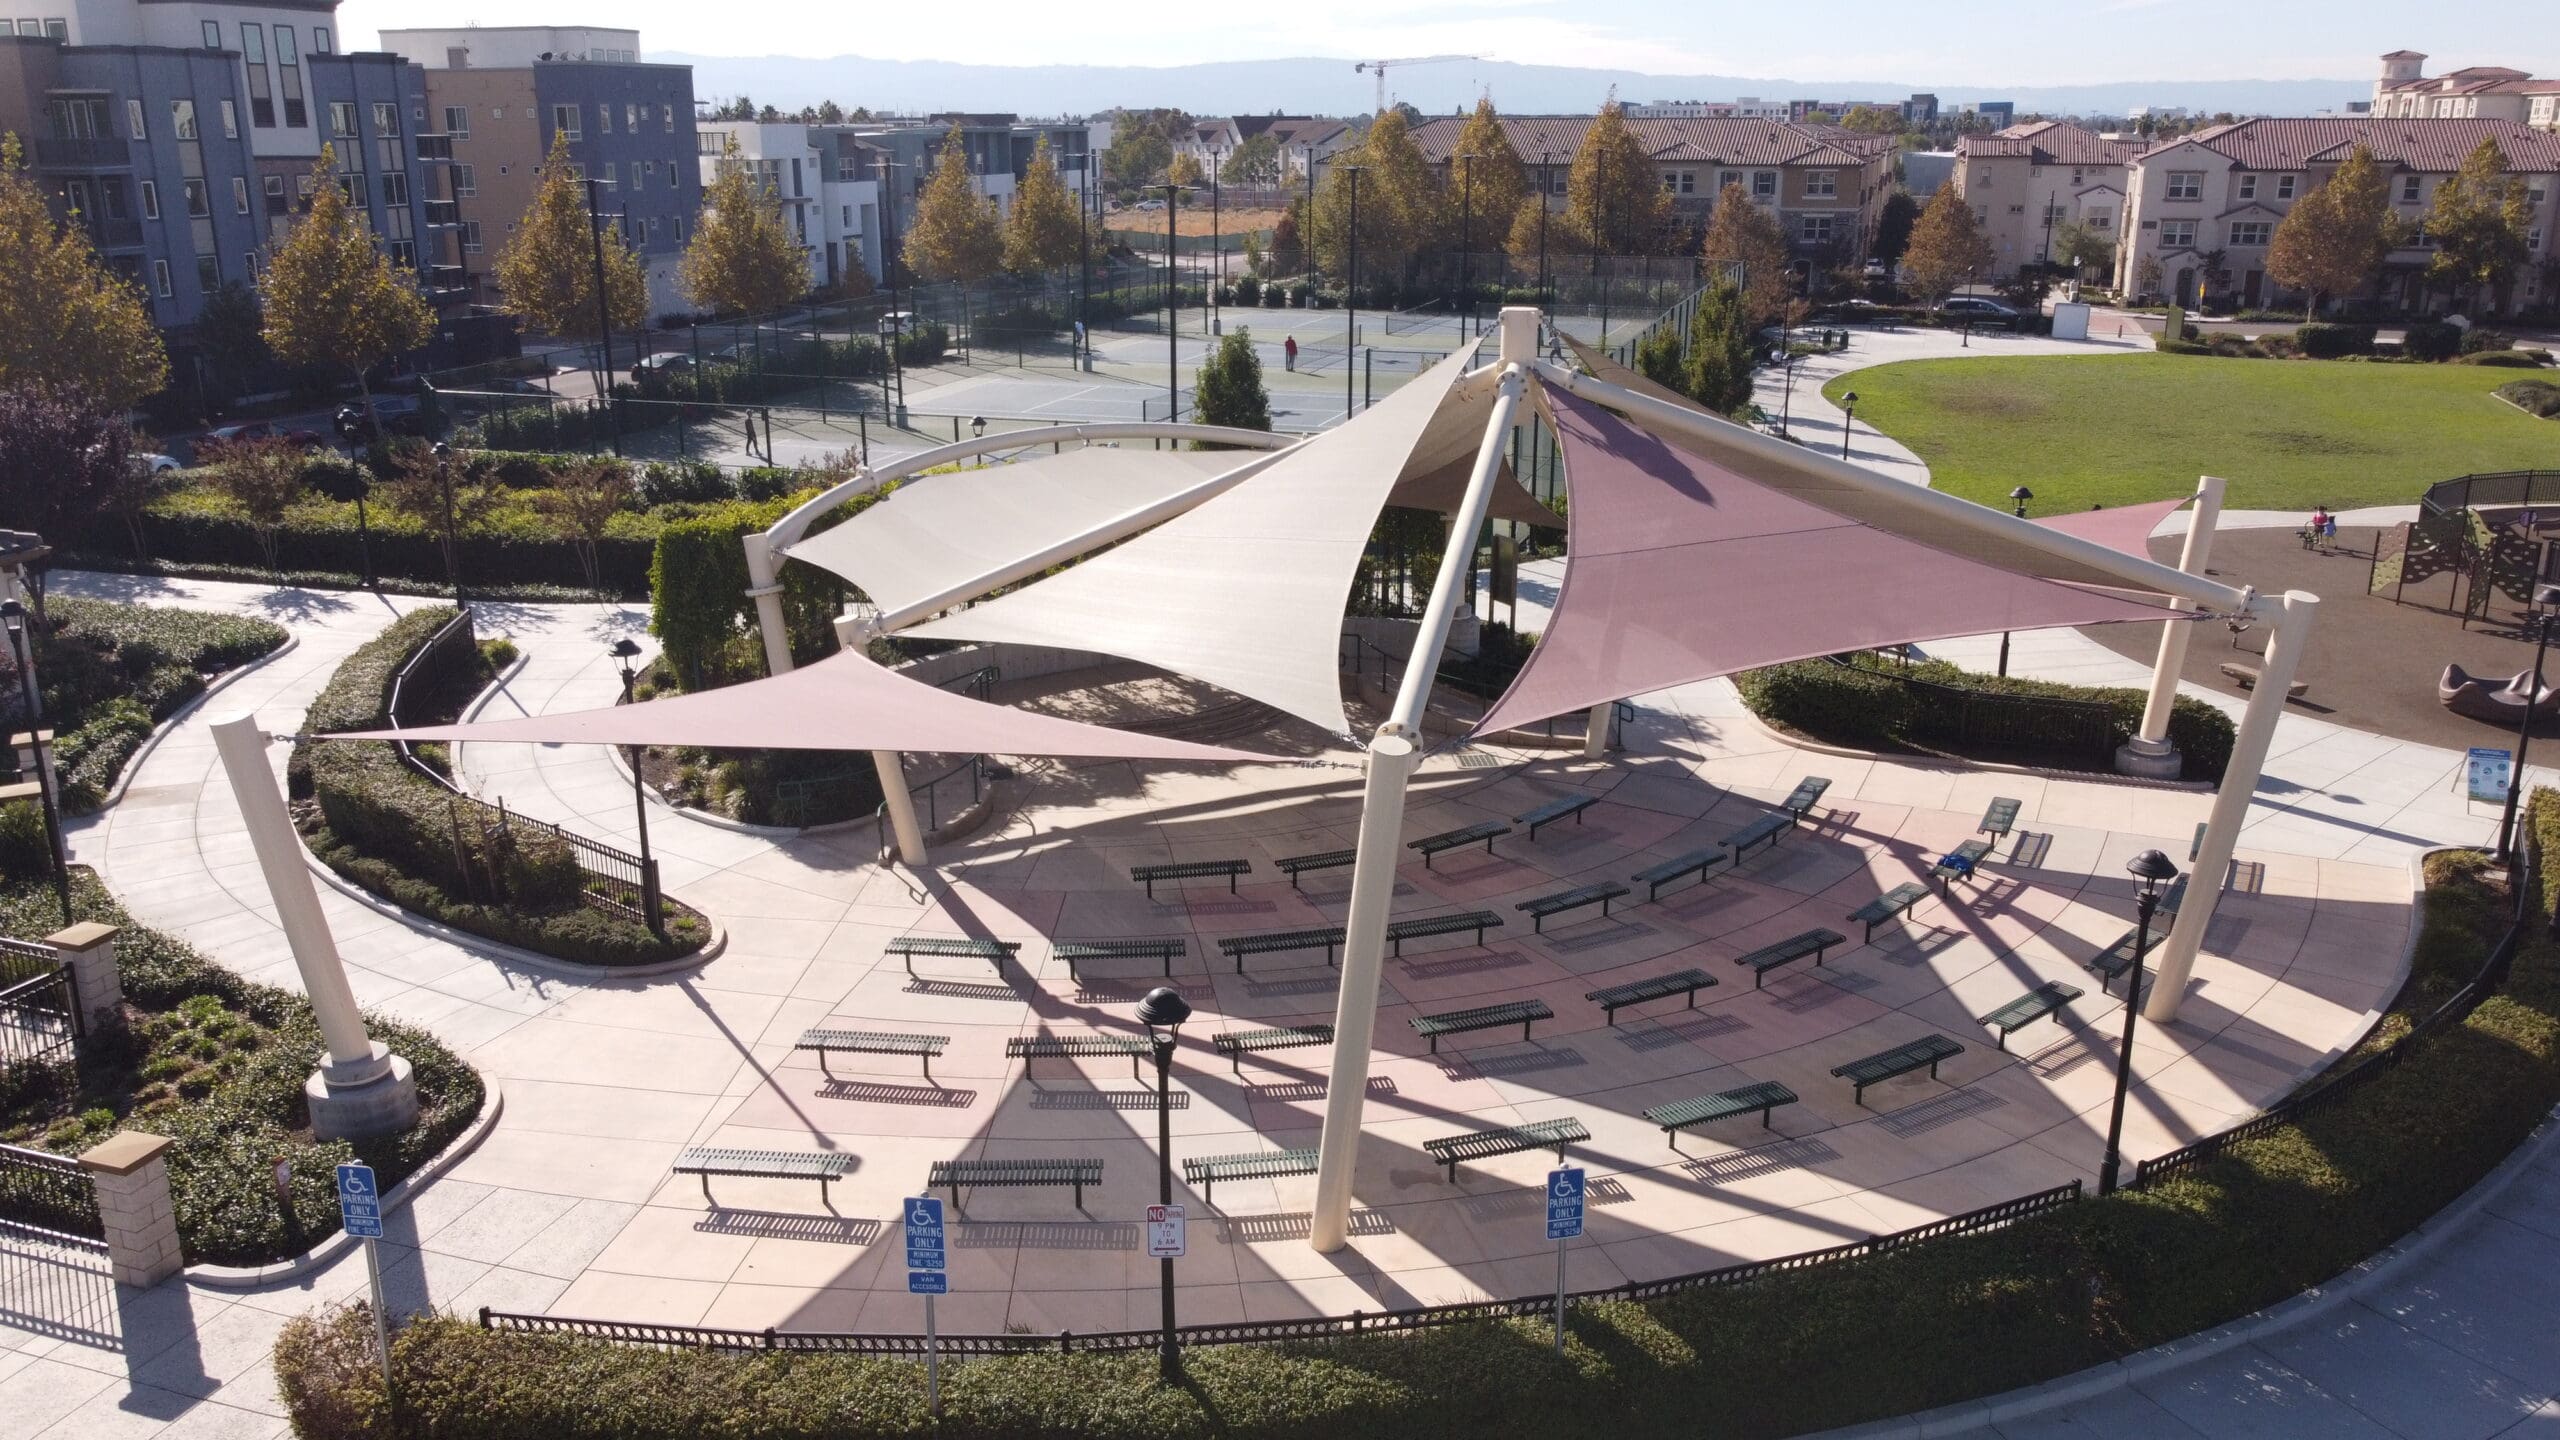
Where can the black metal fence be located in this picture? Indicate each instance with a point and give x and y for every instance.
(57, 1285)
(1250, 1332)
(617, 881)
(2495, 487)
(39, 1006)
(977, 772)
(1963, 717)
(49, 1191)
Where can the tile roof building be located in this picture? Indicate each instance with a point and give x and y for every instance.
(2026, 182)
(2476, 92)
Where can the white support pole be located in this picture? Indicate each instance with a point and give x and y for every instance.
(2291, 627)
(902, 806)
(764, 586)
(1595, 730)
(1392, 759)
(2149, 752)
(361, 1088)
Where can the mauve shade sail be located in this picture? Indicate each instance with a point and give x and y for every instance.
(2127, 528)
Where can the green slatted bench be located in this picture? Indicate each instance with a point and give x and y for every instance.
(1924, 1053)
(1432, 845)
(1801, 800)
(1959, 863)
(1523, 1013)
(955, 1175)
(954, 947)
(2176, 897)
(870, 1042)
(1148, 875)
(2045, 999)
(1763, 831)
(1556, 1134)
(1294, 866)
(1660, 987)
(1788, 951)
(1206, 1171)
(1696, 862)
(1999, 817)
(1027, 1048)
(1074, 951)
(709, 1160)
(1573, 899)
(1235, 1045)
(1893, 902)
(1423, 927)
(1555, 810)
(1279, 942)
(1679, 1115)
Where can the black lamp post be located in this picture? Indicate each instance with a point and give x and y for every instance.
(1217, 256)
(1848, 420)
(2544, 597)
(1784, 357)
(1546, 184)
(2154, 870)
(1162, 1012)
(22, 653)
(625, 650)
(2018, 499)
(1172, 306)
(1466, 231)
(978, 430)
(1351, 290)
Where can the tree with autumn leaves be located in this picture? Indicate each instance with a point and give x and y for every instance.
(955, 235)
(1487, 180)
(2334, 238)
(1614, 195)
(742, 258)
(547, 273)
(66, 321)
(1744, 246)
(2480, 225)
(1045, 231)
(332, 295)
(1947, 248)
(1402, 209)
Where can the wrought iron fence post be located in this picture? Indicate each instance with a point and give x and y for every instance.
(652, 903)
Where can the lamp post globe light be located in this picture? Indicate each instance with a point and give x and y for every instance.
(978, 431)
(2545, 597)
(1162, 1012)
(2154, 870)
(2018, 499)
(1848, 420)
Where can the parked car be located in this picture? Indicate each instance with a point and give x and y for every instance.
(392, 415)
(210, 444)
(152, 462)
(1977, 306)
(674, 362)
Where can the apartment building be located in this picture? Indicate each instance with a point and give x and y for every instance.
(1304, 142)
(826, 179)
(500, 94)
(183, 136)
(2480, 92)
(2028, 181)
(1826, 185)
(2204, 207)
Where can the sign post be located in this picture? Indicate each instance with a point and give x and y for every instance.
(927, 1276)
(2487, 772)
(360, 1210)
(1565, 1189)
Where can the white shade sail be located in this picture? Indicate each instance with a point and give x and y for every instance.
(1247, 591)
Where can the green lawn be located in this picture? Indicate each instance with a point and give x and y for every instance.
(2114, 429)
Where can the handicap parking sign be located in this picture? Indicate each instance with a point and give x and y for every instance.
(1565, 1190)
(928, 1282)
(359, 1201)
(924, 1235)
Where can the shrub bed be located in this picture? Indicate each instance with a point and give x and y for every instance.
(375, 820)
(2539, 397)
(111, 672)
(1866, 705)
(216, 1063)
(1790, 1352)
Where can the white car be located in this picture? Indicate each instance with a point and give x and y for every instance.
(153, 462)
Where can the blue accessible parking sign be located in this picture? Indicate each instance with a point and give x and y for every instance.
(924, 1234)
(359, 1202)
(928, 1282)
(1564, 1202)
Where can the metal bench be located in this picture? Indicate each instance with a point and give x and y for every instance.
(1923, 1053)
(1294, 866)
(1237, 1044)
(1523, 1013)
(1449, 1150)
(1893, 902)
(870, 1042)
(994, 952)
(1696, 862)
(2045, 999)
(1433, 845)
(1764, 830)
(1275, 942)
(1423, 927)
(2000, 817)
(1660, 987)
(1573, 899)
(2118, 958)
(1206, 1171)
(1027, 1048)
(1789, 951)
(1801, 799)
(1555, 810)
(954, 1175)
(1148, 875)
(1679, 1115)
(2246, 677)
(709, 1160)
(2176, 897)
(1073, 951)
(1959, 863)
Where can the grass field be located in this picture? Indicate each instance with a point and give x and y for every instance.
(2113, 429)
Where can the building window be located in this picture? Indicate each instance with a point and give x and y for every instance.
(197, 206)
(133, 120)
(470, 237)
(2186, 185)
(2284, 187)
(160, 279)
(2409, 187)
(395, 189)
(230, 120)
(612, 179)
(466, 182)
(1764, 184)
(2533, 240)
(1814, 229)
(386, 118)
(151, 203)
(2251, 233)
(239, 195)
(564, 122)
(604, 118)
(342, 119)
(213, 34)
(675, 181)
(57, 29)
(182, 119)
(253, 53)
(848, 218)
(1821, 184)
(275, 195)
(2178, 234)
(457, 121)
(2248, 187)
(284, 46)
(667, 119)
(319, 39)
(631, 114)
(208, 274)
(1670, 182)
(2102, 219)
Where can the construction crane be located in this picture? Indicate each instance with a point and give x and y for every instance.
(1379, 68)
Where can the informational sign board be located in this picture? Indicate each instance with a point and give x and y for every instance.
(1506, 570)
(924, 1234)
(359, 1201)
(1166, 1232)
(2486, 774)
(928, 1282)
(1564, 1202)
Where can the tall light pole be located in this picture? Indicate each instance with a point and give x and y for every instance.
(604, 314)
(2018, 499)
(1351, 292)
(1172, 309)
(22, 653)
(624, 651)
(1848, 420)
(1217, 257)
(889, 265)
(1546, 184)
(2154, 870)
(1466, 234)
(2544, 597)
(1162, 1012)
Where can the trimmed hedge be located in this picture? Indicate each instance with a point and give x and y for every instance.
(2431, 340)
(1791, 1352)
(1865, 705)
(111, 672)
(2322, 341)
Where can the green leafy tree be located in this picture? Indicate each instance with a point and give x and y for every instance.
(583, 497)
(1947, 247)
(1229, 388)
(333, 296)
(1044, 232)
(1658, 357)
(743, 258)
(65, 458)
(1743, 235)
(263, 478)
(1893, 228)
(2480, 224)
(1490, 185)
(1533, 224)
(1137, 156)
(2333, 240)
(1255, 162)
(1718, 372)
(66, 321)
(1872, 120)
(2083, 249)
(231, 330)
(1288, 252)
(1614, 191)
(447, 494)
(1184, 170)
(1401, 205)
(547, 272)
(956, 235)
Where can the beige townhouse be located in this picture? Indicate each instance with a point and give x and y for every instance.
(2027, 182)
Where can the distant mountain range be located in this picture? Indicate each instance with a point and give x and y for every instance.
(1330, 87)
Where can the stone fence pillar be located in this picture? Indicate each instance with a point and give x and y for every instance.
(90, 949)
(132, 1180)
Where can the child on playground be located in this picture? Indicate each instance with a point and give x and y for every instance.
(2322, 530)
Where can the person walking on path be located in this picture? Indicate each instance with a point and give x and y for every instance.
(1289, 351)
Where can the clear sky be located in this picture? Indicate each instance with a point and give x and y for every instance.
(1967, 42)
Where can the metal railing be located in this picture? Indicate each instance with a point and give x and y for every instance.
(58, 1285)
(687, 1337)
(39, 1006)
(48, 1191)
(1963, 715)
(980, 685)
(2494, 487)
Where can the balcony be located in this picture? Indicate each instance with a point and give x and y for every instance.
(435, 149)
(443, 213)
(111, 234)
(95, 154)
